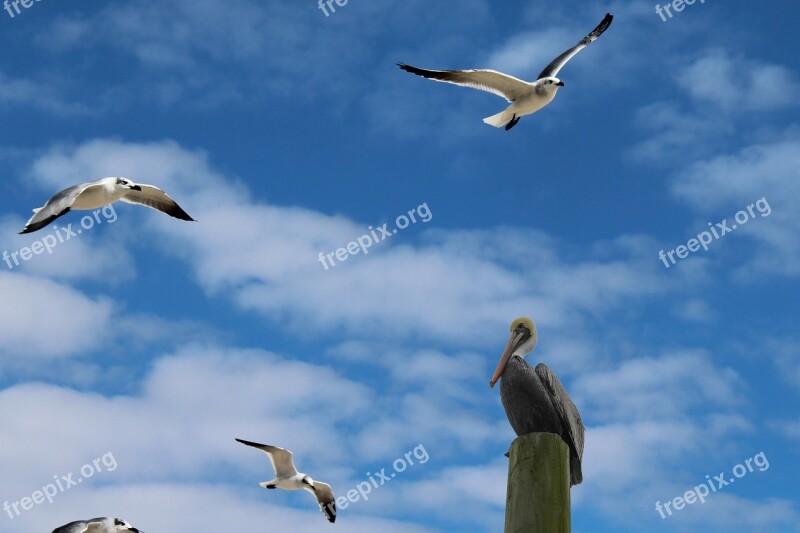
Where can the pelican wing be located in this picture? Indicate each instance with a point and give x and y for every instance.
(157, 199)
(324, 496)
(55, 207)
(556, 65)
(280, 458)
(569, 415)
(491, 81)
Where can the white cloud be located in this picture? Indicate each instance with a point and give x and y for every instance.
(200, 507)
(35, 93)
(732, 182)
(669, 387)
(272, 266)
(91, 255)
(738, 84)
(35, 326)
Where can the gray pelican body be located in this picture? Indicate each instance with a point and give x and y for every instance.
(534, 398)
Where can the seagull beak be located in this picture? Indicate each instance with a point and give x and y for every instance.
(135, 188)
(513, 341)
(560, 84)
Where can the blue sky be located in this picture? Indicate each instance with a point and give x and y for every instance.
(287, 133)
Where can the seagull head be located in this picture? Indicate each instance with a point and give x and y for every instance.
(125, 183)
(122, 525)
(521, 342)
(551, 82)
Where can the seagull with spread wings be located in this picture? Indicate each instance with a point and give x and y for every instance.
(98, 525)
(288, 478)
(105, 191)
(525, 97)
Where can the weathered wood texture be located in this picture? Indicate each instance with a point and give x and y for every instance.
(537, 499)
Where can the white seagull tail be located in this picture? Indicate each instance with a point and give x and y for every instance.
(499, 120)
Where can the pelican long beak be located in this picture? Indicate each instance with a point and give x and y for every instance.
(516, 338)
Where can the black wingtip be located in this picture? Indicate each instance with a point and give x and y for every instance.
(31, 229)
(251, 443)
(329, 511)
(415, 70)
(178, 212)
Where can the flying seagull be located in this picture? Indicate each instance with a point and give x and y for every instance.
(534, 398)
(288, 478)
(525, 98)
(98, 525)
(105, 191)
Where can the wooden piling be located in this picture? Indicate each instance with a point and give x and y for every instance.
(537, 498)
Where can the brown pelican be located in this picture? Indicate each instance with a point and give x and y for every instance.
(288, 478)
(525, 98)
(534, 398)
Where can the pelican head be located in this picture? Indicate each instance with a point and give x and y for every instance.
(125, 183)
(521, 342)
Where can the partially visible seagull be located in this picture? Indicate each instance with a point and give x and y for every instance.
(102, 192)
(525, 98)
(288, 478)
(98, 525)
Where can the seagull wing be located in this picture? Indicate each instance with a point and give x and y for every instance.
(82, 526)
(324, 495)
(553, 68)
(280, 458)
(491, 81)
(55, 207)
(96, 526)
(570, 417)
(157, 199)
(72, 527)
